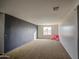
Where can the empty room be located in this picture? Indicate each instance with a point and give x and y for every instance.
(39, 29)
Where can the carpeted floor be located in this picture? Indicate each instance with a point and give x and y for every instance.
(40, 49)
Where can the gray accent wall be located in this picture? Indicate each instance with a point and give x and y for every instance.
(17, 32)
(78, 28)
(1, 33)
(69, 34)
(40, 31)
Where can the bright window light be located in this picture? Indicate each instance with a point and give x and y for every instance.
(47, 30)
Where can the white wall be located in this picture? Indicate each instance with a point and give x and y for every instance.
(1, 33)
(68, 34)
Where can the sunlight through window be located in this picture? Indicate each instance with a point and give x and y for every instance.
(47, 30)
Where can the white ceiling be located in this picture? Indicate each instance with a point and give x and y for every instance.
(38, 11)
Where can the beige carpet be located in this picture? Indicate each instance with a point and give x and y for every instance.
(40, 49)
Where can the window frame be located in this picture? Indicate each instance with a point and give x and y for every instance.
(47, 30)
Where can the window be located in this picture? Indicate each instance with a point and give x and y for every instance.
(47, 30)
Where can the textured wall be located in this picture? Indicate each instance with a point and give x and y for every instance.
(40, 31)
(17, 32)
(68, 33)
(1, 33)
